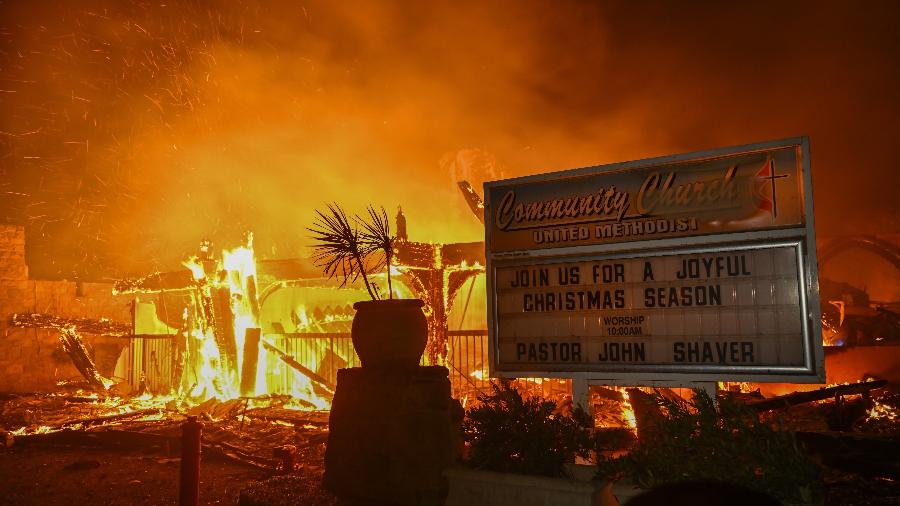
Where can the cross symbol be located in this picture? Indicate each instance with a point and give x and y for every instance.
(771, 178)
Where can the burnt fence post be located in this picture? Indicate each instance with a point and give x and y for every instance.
(189, 484)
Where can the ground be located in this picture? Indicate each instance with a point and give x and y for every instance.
(84, 476)
(136, 461)
(79, 450)
(66, 476)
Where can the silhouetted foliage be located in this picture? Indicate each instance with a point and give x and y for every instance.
(343, 249)
(509, 433)
(376, 238)
(698, 440)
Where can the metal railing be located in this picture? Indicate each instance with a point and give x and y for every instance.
(325, 353)
(149, 364)
(468, 362)
(321, 353)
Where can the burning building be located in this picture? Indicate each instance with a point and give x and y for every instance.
(132, 131)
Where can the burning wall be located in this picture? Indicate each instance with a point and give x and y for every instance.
(31, 359)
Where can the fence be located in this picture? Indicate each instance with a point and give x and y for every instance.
(149, 364)
(325, 353)
(467, 360)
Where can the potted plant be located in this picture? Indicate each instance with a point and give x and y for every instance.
(522, 451)
(386, 332)
(701, 441)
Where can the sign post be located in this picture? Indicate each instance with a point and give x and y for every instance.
(683, 269)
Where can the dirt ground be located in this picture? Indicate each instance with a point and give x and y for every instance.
(83, 476)
(88, 476)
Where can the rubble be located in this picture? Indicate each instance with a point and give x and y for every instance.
(232, 430)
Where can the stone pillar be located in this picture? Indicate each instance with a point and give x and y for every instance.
(391, 435)
(14, 298)
(13, 270)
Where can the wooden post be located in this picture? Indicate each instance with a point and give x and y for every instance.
(223, 329)
(251, 359)
(189, 485)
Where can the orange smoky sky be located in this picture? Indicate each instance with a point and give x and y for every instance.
(132, 130)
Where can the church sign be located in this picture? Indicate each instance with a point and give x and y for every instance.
(698, 266)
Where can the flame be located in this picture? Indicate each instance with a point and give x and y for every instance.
(196, 268)
(303, 320)
(881, 411)
(618, 414)
(41, 429)
(208, 377)
(628, 412)
(302, 389)
(236, 270)
(239, 265)
(744, 387)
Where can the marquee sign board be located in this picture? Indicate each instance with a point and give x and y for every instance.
(698, 266)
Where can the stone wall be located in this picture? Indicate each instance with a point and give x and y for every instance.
(32, 360)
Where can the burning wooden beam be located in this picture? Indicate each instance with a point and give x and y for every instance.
(253, 300)
(297, 366)
(74, 346)
(81, 325)
(792, 399)
(251, 357)
(223, 329)
(84, 422)
(155, 283)
(473, 199)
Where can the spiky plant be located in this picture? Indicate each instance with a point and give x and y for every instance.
(509, 433)
(376, 238)
(339, 248)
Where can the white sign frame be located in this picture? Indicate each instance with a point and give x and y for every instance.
(801, 237)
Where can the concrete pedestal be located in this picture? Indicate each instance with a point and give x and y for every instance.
(391, 435)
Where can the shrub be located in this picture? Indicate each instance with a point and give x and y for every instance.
(508, 433)
(698, 440)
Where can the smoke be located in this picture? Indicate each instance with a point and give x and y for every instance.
(131, 131)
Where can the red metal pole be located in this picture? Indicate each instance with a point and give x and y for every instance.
(189, 485)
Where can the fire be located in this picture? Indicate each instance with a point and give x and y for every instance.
(831, 329)
(40, 429)
(628, 412)
(100, 410)
(224, 309)
(303, 320)
(302, 389)
(881, 411)
(614, 409)
(196, 268)
(240, 267)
